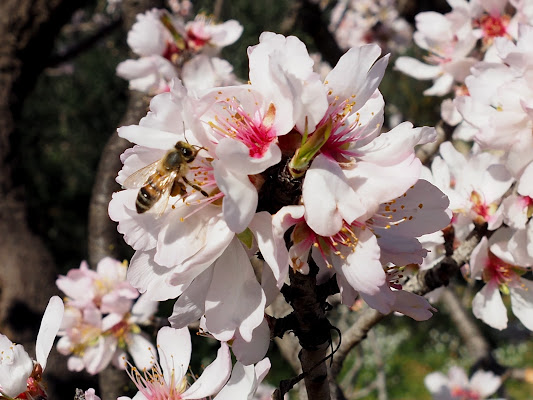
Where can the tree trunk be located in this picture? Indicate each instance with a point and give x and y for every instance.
(27, 270)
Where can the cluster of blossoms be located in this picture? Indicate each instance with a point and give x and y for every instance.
(351, 200)
(169, 47)
(457, 386)
(102, 317)
(485, 57)
(355, 23)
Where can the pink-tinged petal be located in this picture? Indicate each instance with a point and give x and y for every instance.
(525, 183)
(226, 33)
(417, 69)
(74, 363)
(190, 306)
(143, 309)
(216, 238)
(488, 306)
(281, 69)
(272, 249)
(269, 284)
(174, 348)
(235, 155)
(213, 378)
(496, 181)
(150, 137)
(240, 198)
(325, 213)
(241, 384)
(142, 351)
(362, 267)
(97, 357)
(242, 307)
(261, 370)
(285, 218)
(479, 259)
(356, 74)
(421, 210)
(118, 360)
(400, 250)
(251, 351)
(522, 302)
(457, 377)
(437, 384)
(412, 305)
(15, 367)
(110, 320)
(485, 383)
(90, 394)
(151, 278)
(397, 145)
(348, 293)
(49, 327)
(375, 184)
(165, 115)
(140, 230)
(441, 86)
(182, 238)
(383, 301)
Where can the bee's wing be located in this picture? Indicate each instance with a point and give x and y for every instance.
(138, 178)
(160, 206)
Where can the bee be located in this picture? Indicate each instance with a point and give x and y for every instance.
(164, 178)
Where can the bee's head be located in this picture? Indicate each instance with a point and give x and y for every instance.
(187, 151)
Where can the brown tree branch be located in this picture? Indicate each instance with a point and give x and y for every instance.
(421, 283)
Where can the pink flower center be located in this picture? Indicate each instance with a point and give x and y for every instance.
(305, 237)
(493, 26)
(256, 132)
(196, 39)
(151, 383)
(483, 210)
(499, 271)
(171, 52)
(460, 393)
(344, 134)
(34, 387)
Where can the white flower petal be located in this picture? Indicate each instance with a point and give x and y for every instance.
(213, 378)
(488, 306)
(49, 327)
(174, 348)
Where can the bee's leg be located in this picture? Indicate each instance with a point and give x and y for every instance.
(194, 186)
(178, 188)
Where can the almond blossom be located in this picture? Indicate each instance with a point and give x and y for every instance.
(101, 320)
(167, 378)
(500, 261)
(20, 376)
(168, 47)
(388, 236)
(457, 386)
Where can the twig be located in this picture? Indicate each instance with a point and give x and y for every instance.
(217, 9)
(381, 381)
(421, 283)
(476, 343)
